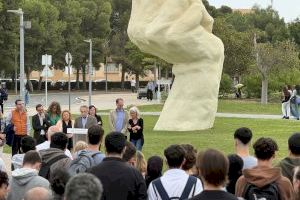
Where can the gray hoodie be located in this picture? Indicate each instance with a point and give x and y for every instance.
(23, 180)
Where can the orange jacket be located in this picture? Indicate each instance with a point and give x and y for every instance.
(19, 120)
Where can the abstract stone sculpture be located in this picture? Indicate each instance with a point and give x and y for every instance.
(180, 32)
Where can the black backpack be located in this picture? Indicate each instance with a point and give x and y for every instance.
(268, 192)
(45, 168)
(189, 187)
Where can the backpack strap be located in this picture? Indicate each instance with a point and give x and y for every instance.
(45, 170)
(191, 183)
(247, 187)
(158, 186)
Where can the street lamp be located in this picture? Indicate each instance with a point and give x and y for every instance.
(90, 71)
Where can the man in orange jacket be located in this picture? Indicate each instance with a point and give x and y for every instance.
(20, 119)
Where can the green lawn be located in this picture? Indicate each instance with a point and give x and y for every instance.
(232, 106)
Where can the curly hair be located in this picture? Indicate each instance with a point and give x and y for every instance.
(58, 109)
(265, 148)
(59, 180)
(190, 156)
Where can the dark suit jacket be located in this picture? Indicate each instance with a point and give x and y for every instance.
(37, 126)
(91, 121)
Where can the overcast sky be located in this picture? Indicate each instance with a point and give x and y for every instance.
(288, 9)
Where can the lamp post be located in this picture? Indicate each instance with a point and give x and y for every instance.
(90, 70)
(22, 76)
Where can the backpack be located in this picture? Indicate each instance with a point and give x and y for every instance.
(84, 161)
(45, 168)
(189, 187)
(268, 192)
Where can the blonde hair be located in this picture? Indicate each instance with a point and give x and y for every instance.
(80, 145)
(66, 111)
(135, 110)
(141, 163)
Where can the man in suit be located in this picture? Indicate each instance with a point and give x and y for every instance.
(85, 120)
(40, 124)
(118, 118)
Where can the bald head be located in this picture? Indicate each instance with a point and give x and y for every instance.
(51, 131)
(38, 193)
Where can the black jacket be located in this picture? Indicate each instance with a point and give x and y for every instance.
(139, 133)
(37, 126)
(120, 181)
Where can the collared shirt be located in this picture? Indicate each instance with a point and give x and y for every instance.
(83, 121)
(41, 122)
(174, 182)
(120, 120)
(46, 145)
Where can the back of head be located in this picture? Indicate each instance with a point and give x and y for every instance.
(27, 144)
(141, 163)
(265, 148)
(174, 155)
(236, 164)
(51, 130)
(154, 166)
(294, 144)
(244, 135)
(213, 166)
(3, 179)
(59, 140)
(59, 179)
(83, 187)
(190, 156)
(130, 152)
(115, 143)
(95, 134)
(38, 193)
(31, 158)
(80, 145)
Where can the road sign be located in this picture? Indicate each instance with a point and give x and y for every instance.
(68, 58)
(47, 72)
(47, 60)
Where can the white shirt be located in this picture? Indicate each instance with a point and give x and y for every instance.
(132, 83)
(174, 181)
(46, 145)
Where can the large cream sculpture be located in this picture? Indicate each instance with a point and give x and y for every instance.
(180, 32)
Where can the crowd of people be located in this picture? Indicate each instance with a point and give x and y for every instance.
(47, 165)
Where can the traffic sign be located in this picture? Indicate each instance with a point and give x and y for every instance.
(68, 58)
(47, 72)
(47, 60)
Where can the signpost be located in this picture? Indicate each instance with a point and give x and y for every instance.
(47, 61)
(69, 61)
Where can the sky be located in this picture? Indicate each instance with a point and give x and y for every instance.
(288, 9)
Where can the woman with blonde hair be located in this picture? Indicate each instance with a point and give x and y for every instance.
(135, 128)
(141, 163)
(64, 124)
(54, 112)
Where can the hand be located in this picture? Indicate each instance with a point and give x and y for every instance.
(69, 135)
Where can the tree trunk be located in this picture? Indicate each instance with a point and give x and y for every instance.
(40, 83)
(123, 78)
(77, 79)
(83, 78)
(29, 84)
(264, 90)
(137, 79)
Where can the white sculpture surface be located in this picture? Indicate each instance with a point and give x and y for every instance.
(180, 32)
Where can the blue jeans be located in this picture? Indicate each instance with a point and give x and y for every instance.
(137, 144)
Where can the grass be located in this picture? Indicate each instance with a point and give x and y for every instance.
(232, 106)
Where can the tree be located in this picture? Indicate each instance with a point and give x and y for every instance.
(274, 57)
(294, 29)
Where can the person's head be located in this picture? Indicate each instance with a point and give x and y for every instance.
(134, 113)
(19, 105)
(242, 137)
(38, 193)
(51, 130)
(294, 144)
(84, 111)
(66, 116)
(58, 181)
(39, 109)
(141, 163)
(213, 167)
(119, 103)
(155, 166)
(54, 108)
(236, 164)
(4, 182)
(190, 157)
(129, 155)
(285, 91)
(296, 182)
(175, 156)
(59, 140)
(95, 135)
(115, 143)
(32, 159)
(27, 144)
(290, 87)
(80, 145)
(265, 148)
(92, 110)
(83, 186)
